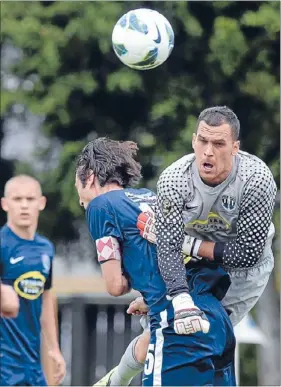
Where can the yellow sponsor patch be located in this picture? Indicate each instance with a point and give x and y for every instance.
(214, 222)
(30, 285)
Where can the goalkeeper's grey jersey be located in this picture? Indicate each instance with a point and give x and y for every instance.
(237, 212)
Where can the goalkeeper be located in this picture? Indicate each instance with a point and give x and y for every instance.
(216, 203)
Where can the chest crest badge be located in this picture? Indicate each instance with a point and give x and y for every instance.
(228, 202)
(46, 262)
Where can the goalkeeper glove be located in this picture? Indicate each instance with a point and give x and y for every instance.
(188, 318)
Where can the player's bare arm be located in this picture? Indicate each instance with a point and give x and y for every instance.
(115, 282)
(49, 330)
(9, 301)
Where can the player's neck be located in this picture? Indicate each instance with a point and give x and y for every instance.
(27, 233)
(220, 179)
(110, 187)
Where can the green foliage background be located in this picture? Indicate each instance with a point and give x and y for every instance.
(225, 53)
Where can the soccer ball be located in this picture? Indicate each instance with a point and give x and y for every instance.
(143, 39)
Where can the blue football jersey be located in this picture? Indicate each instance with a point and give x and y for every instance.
(27, 266)
(115, 214)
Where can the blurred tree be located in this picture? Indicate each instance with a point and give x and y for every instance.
(6, 170)
(225, 53)
(248, 374)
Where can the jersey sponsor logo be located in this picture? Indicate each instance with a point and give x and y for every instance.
(228, 202)
(46, 262)
(108, 248)
(145, 198)
(30, 285)
(214, 222)
(13, 260)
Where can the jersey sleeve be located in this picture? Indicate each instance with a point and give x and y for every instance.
(105, 232)
(170, 235)
(253, 223)
(1, 256)
(49, 281)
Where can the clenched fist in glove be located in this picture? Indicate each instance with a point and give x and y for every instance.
(188, 318)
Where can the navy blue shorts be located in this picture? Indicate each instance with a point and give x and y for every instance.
(225, 375)
(19, 375)
(191, 360)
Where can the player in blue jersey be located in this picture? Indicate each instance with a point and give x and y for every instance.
(202, 354)
(26, 260)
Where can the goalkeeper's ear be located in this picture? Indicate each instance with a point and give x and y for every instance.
(235, 148)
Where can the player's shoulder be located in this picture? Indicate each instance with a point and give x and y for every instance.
(43, 241)
(5, 236)
(116, 198)
(99, 201)
(4, 230)
(177, 169)
(252, 167)
(106, 200)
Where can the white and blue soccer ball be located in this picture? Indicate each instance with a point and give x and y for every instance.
(143, 39)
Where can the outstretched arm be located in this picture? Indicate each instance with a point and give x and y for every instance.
(188, 319)
(170, 237)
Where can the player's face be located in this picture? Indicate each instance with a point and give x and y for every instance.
(23, 202)
(86, 193)
(214, 149)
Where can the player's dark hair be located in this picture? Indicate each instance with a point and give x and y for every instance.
(218, 115)
(110, 161)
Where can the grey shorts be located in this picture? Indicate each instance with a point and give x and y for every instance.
(247, 285)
